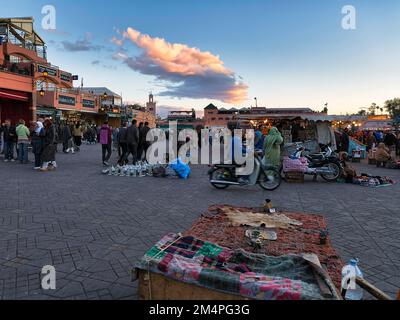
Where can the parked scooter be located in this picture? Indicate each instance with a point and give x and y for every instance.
(326, 163)
(223, 175)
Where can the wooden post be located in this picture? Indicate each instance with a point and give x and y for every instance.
(380, 295)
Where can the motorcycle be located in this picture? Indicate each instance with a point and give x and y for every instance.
(326, 163)
(223, 175)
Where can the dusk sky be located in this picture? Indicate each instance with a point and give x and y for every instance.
(190, 53)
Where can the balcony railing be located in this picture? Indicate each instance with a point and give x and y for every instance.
(22, 68)
(41, 51)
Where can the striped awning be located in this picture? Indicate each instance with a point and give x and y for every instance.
(14, 95)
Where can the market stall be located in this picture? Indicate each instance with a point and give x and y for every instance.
(312, 128)
(357, 150)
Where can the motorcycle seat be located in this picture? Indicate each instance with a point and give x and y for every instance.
(316, 156)
(233, 165)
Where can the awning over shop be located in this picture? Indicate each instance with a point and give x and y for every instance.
(285, 116)
(87, 111)
(377, 125)
(114, 115)
(14, 95)
(45, 111)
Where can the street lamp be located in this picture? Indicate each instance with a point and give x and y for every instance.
(40, 83)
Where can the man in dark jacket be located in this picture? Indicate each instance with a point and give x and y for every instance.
(10, 138)
(345, 141)
(132, 140)
(390, 140)
(143, 135)
(66, 136)
(141, 141)
(122, 143)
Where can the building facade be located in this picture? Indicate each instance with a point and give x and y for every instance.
(142, 114)
(31, 87)
(184, 119)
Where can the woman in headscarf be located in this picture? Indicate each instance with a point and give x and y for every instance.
(37, 143)
(272, 148)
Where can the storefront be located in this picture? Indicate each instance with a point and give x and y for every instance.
(46, 112)
(312, 129)
(89, 117)
(15, 105)
(69, 116)
(114, 119)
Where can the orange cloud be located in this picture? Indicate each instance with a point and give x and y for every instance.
(192, 73)
(118, 42)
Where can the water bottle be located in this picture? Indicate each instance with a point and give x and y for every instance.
(354, 291)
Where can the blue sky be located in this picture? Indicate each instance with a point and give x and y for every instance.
(285, 53)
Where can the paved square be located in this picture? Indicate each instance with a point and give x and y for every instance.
(94, 228)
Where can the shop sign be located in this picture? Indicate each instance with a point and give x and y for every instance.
(50, 71)
(70, 101)
(117, 101)
(88, 103)
(114, 115)
(65, 77)
(44, 112)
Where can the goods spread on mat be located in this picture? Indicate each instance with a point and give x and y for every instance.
(246, 252)
(373, 181)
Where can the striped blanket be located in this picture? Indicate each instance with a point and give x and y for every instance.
(255, 276)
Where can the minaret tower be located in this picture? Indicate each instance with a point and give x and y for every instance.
(151, 105)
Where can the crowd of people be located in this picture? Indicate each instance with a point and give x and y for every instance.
(41, 135)
(386, 144)
(391, 139)
(129, 139)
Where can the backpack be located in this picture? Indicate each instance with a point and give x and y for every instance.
(159, 172)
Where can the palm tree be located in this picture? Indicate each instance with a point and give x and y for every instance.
(362, 112)
(372, 109)
(393, 107)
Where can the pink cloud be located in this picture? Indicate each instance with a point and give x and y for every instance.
(189, 72)
(116, 41)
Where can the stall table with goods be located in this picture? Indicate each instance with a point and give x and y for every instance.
(244, 253)
(176, 168)
(357, 150)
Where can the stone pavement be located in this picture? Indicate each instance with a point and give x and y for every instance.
(94, 228)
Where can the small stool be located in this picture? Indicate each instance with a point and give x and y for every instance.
(379, 163)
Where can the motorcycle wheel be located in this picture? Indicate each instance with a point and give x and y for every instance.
(270, 179)
(331, 177)
(220, 174)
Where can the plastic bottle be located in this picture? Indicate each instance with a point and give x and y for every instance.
(357, 292)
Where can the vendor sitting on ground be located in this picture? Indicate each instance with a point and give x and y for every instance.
(382, 155)
(348, 172)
